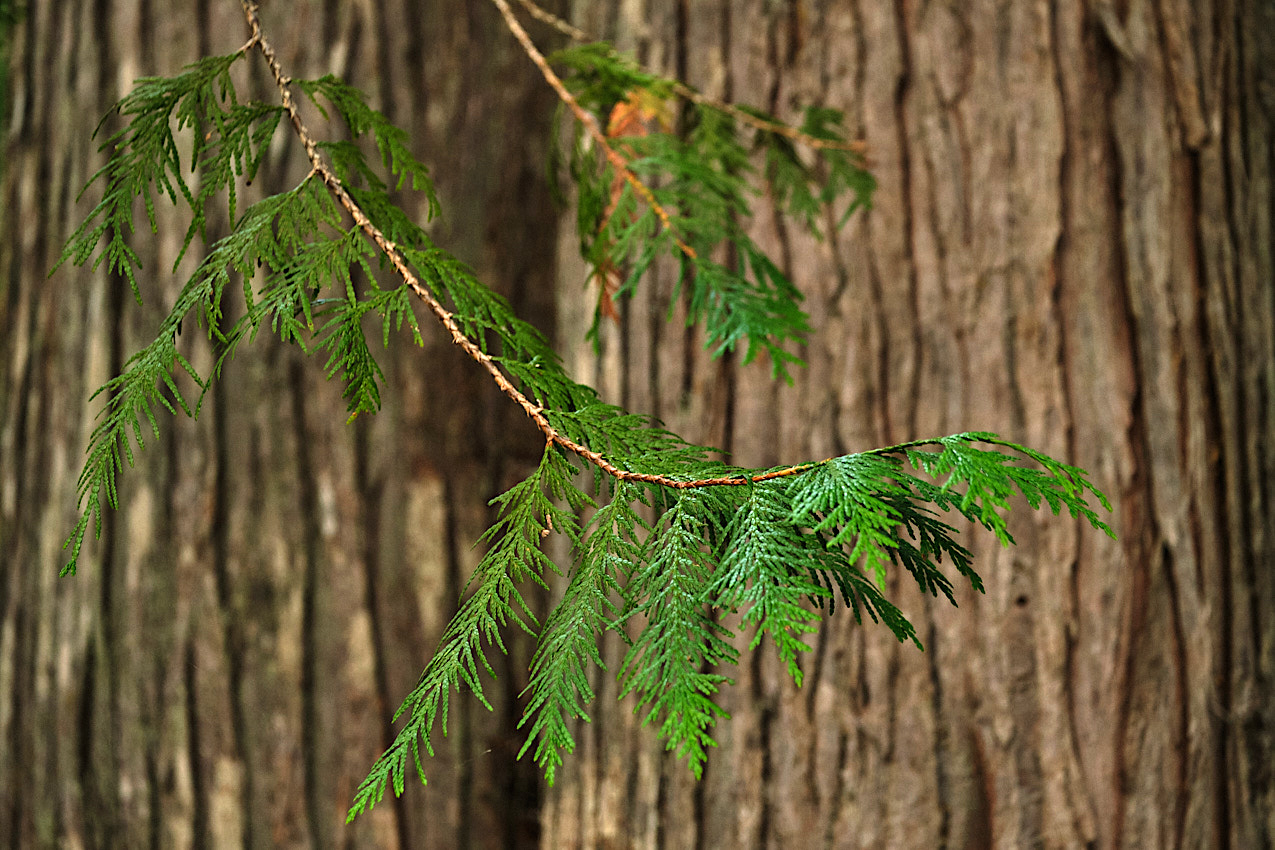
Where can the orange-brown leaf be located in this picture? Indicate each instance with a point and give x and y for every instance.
(608, 285)
(640, 114)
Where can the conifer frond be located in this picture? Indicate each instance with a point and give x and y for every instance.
(670, 665)
(766, 568)
(849, 499)
(226, 139)
(149, 376)
(754, 118)
(526, 515)
(148, 379)
(391, 140)
(992, 476)
(699, 186)
(560, 691)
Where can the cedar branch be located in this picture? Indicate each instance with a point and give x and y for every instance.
(320, 168)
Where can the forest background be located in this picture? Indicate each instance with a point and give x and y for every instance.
(1070, 245)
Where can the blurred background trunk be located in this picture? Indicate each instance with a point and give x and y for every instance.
(223, 669)
(1071, 245)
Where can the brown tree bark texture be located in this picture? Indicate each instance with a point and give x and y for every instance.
(222, 671)
(1071, 245)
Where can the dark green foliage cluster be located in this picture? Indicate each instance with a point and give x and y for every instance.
(663, 565)
(778, 552)
(145, 157)
(704, 176)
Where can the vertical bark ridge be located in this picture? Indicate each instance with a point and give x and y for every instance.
(199, 826)
(902, 92)
(941, 743)
(1137, 526)
(233, 642)
(455, 583)
(307, 486)
(1077, 799)
(85, 757)
(108, 728)
(371, 499)
(154, 812)
(1178, 808)
(18, 535)
(1251, 153)
(1221, 431)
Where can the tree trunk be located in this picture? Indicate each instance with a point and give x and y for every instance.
(1071, 245)
(223, 669)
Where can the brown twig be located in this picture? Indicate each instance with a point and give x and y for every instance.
(547, 17)
(537, 413)
(857, 147)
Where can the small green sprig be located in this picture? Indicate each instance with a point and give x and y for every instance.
(688, 195)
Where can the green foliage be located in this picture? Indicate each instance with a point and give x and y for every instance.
(668, 543)
(560, 690)
(227, 139)
(704, 177)
(391, 141)
(806, 191)
(772, 567)
(527, 514)
(670, 664)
